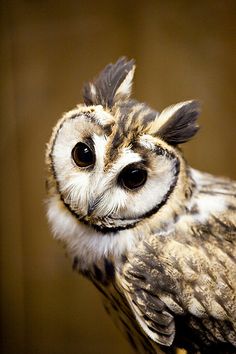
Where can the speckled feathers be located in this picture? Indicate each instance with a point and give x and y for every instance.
(160, 249)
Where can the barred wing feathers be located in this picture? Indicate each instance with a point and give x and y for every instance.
(185, 282)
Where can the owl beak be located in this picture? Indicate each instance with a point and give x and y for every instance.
(91, 208)
(93, 205)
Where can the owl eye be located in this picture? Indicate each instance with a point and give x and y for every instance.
(83, 155)
(132, 177)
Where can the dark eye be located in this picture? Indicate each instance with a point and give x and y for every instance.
(83, 155)
(132, 177)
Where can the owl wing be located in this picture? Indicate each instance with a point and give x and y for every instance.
(187, 276)
(150, 311)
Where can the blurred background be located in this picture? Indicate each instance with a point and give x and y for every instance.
(183, 50)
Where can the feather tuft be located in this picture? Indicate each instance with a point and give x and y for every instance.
(177, 123)
(114, 83)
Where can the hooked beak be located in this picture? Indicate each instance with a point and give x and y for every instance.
(92, 205)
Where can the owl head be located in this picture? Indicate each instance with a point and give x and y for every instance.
(113, 162)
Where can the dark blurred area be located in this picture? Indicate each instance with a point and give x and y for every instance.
(183, 50)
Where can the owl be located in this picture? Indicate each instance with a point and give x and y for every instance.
(156, 237)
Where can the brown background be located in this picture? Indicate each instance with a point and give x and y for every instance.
(183, 50)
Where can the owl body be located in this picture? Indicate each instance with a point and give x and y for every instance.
(156, 237)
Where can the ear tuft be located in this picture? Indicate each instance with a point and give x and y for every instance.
(178, 123)
(114, 83)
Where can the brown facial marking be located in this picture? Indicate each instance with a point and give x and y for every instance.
(131, 121)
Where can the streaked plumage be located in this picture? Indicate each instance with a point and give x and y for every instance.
(155, 236)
